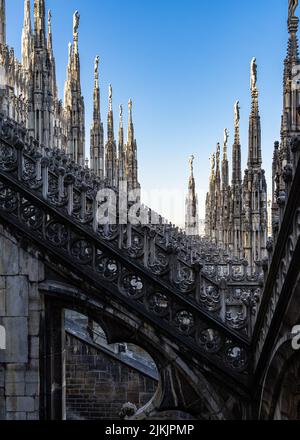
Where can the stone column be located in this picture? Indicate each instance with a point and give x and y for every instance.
(54, 362)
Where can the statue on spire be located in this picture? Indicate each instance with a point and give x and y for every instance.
(191, 164)
(130, 105)
(237, 114)
(97, 59)
(110, 92)
(292, 8)
(76, 19)
(226, 137)
(49, 18)
(218, 155)
(253, 74)
(213, 163)
(121, 112)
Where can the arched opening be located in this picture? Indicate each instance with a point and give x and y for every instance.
(288, 402)
(104, 381)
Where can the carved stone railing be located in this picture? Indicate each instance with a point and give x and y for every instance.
(46, 198)
(223, 287)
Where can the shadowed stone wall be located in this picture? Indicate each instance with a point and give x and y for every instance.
(20, 313)
(98, 385)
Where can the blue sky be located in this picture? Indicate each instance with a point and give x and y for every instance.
(184, 63)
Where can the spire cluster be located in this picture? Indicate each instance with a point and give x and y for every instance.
(55, 123)
(236, 213)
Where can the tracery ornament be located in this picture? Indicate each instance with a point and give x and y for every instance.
(236, 357)
(133, 286)
(210, 340)
(184, 321)
(158, 303)
(210, 298)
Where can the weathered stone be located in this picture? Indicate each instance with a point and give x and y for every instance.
(20, 404)
(2, 404)
(9, 257)
(35, 299)
(16, 296)
(2, 282)
(4, 233)
(16, 416)
(14, 388)
(14, 373)
(2, 376)
(16, 340)
(31, 267)
(2, 303)
(34, 324)
(32, 376)
(34, 347)
(32, 389)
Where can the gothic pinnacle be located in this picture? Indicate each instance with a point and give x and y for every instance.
(110, 118)
(39, 23)
(226, 137)
(237, 122)
(96, 71)
(26, 36)
(76, 20)
(130, 135)
(121, 115)
(254, 153)
(2, 22)
(50, 48)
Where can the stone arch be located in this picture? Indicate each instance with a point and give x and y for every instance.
(182, 387)
(105, 377)
(277, 399)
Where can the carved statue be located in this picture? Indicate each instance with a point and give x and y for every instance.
(237, 113)
(97, 59)
(218, 152)
(226, 137)
(130, 105)
(121, 111)
(49, 17)
(110, 92)
(213, 162)
(292, 8)
(253, 74)
(191, 164)
(76, 19)
(70, 50)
